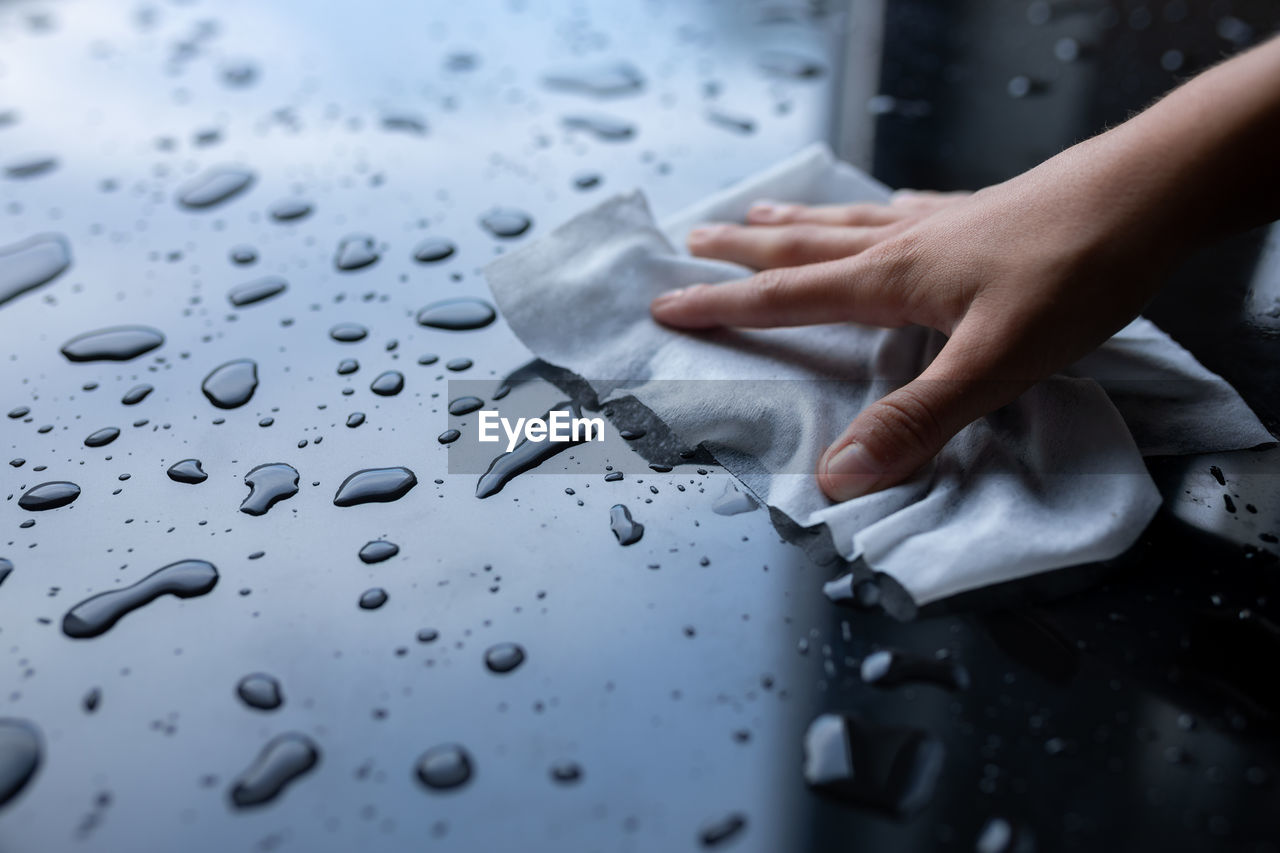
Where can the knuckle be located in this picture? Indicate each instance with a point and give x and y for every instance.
(905, 423)
(772, 289)
(789, 247)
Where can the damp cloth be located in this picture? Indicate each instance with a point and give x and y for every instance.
(1054, 479)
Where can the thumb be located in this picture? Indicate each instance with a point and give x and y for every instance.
(895, 436)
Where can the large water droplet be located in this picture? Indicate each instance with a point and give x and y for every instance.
(31, 167)
(445, 766)
(887, 668)
(523, 457)
(356, 251)
(231, 385)
(464, 405)
(268, 485)
(601, 80)
(605, 127)
(261, 691)
(457, 315)
(348, 333)
(506, 222)
(214, 186)
(378, 550)
(187, 471)
(432, 250)
(136, 395)
(885, 768)
(388, 384)
(283, 759)
(256, 290)
(20, 753)
(348, 366)
(373, 598)
(96, 615)
(102, 437)
(355, 419)
(49, 495)
(118, 343)
(375, 485)
(624, 527)
(733, 501)
(503, 657)
(29, 263)
(290, 209)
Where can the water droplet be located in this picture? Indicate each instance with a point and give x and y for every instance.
(6, 568)
(601, 80)
(290, 209)
(465, 405)
(32, 262)
(887, 668)
(96, 614)
(445, 766)
(506, 222)
(428, 358)
(457, 315)
(283, 759)
(503, 657)
(102, 437)
(375, 485)
(31, 167)
(783, 63)
(404, 123)
(722, 830)
(20, 754)
(432, 250)
(91, 700)
(231, 385)
(355, 419)
(458, 364)
(587, 180)
(613, 476)
(214, 186)
(19, 412)
(348, 366)
(736, 122)
(388, 384)
(348, 333)
(49, 496)
(1000, 836)
(187, 471)
(378, 550)
(886, 768)
(256, 291)
(566, 772)
(240, 74)
(136, 395)
(449, 436)
(849, 590)
(372, 599)
(733, 501)
(624, 527)
(601, 126)
(118, 343)
(356, 251)
(261, 691)
(243, 254)
(268, 485)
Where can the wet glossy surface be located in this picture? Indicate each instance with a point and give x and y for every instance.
(1106, 709)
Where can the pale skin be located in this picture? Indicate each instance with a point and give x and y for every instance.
(1023, 277)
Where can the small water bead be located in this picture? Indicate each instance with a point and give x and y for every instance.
(372, 599)
(281, 761)
(348, 333)
(449, 436)
(388, 384)
(566, 772)
(457, 315)
(348, 366)
(240, 74)
(116, 343)
(723, 830)
(631, 434)
(51, 495)
(378, 550)
(503, 657)
(587, 180)
(31, 167)
(231, 385)
(97, 614)
(256, 290)
(604, 127)
(6, 568)
(736, 122)
(425, 359)
(290, 209)
(355, 419)
(261, 691)
(613, 476)
(32, 262)
(443, 767)
(91, 700)
(627, 530)
(375, 485)
(784, 63)
(268, 485)
(214, 186)
(136, 395)
(189, 471)
(506, 222)
(404, 123)
(356, 251)
(433, 250)
(21, 751)
(17, 462)
(428, 635)
(102, 437)
(243, 255)
(458, 364)
(601, 80)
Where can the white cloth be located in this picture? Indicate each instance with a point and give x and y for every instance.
(1053, 480)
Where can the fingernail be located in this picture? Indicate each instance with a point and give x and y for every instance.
(851, 472)
(700, 234)
(764, 211)
(667, 298)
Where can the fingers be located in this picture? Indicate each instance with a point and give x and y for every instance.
(894, 437)
(783, 246)
(865, 288)
(774, 213)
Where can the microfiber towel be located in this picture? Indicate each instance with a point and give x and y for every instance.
(1052, 480)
